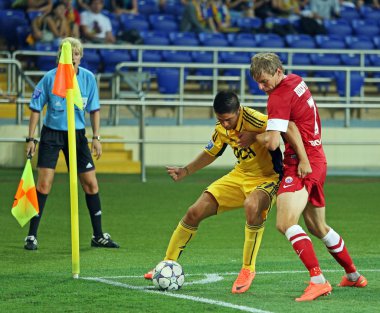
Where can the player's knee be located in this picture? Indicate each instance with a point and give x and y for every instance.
(90, 187)
(252, 211)
(44, 187)
(194, 215)
(318, 231)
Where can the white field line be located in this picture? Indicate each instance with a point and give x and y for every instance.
(236, 273)
(179, 296)
(210, 278)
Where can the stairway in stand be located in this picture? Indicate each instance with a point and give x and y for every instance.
(115, 159)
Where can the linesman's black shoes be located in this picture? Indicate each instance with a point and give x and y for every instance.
(104, 241)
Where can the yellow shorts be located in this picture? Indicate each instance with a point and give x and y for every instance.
(232, 189)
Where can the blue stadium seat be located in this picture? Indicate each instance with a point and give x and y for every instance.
(359, 43)
(155, 38)
(325, 59)
(301, 59)
(163, 22)
(177, 56)
(338, 27)
(173, 7)
(9, 20)
(147, 7)
(241, 40)
(133, 21)
(91, 60)
(203, 57)
(6, 4)
(168, 80)
(111, 58)
(300, 41)
(356, 83)
(183, 39)
(330, 42)
(376, 41)
(22, 33)
(252, 85)
(234, 58)
(370, 14)
(46, 62)
(375, 60)
(269, 40)
(213, 39)
(273, 22)
(365, 28)
(249, 24)
(349, 13)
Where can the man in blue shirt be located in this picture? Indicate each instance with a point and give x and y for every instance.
(54, 138)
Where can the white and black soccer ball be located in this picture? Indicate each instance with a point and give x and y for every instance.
(168, 275)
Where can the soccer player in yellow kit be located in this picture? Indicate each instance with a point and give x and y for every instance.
(252, 183)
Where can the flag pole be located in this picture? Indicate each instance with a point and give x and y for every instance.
(73, 183)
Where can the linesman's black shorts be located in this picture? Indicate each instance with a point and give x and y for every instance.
(52, 141)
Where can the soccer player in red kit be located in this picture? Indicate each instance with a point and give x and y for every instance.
(301, 189)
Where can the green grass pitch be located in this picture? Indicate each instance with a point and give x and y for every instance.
(141, 218)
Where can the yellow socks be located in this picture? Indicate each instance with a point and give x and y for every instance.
(253, 236)
(181, 236)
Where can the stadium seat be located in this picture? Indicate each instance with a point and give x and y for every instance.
(325, 59)
(249, 24)
(370, 14)
(203, 57)
(22, 33)
(349, 13)
(168, 80)
(173, 7)
(269, 40)
(252, 85)
(163, 22)
(234, 58)
(183, 39)
(46, 62)
(376, 41)
(91, 60)
(155, 38)
(356, 83)
(6, 4)
(301, 59)
(212, 39)
(241, 40)
(330, 42)
(359, 43)
(9, 20)
(148, 7)
(300, 41)
(365, 28)
(177, 56)
(133, 21)
(374, 59)
(111, 58)
(338, 27)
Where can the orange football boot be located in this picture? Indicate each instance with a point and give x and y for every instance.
(149, 275)
(313, 291)
(359, 283)
(243, 281)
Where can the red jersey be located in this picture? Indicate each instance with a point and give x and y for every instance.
(292, 101)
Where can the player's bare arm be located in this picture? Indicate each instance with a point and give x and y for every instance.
(269, 139)
(246, 138)
(31, 145)
(96, 146)
(201, 161)
(293, 137)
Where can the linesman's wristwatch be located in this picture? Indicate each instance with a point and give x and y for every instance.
(96, 137)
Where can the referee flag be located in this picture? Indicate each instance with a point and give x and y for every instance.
(65, 78)
(25, 205)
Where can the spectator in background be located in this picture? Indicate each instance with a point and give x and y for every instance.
(124, 7)
(95, 26)
(240, 8)
(196, 17)
(73, 17)
(221, 19)
(375, 4)
(83, 5)
(44, 6)
(324, 9)
(52, 27)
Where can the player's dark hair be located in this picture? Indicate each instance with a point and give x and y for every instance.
(226, 102)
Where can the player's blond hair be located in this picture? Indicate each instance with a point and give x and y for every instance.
(265, 62)
(75, 44)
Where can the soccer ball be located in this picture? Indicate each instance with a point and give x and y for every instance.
(168, 275)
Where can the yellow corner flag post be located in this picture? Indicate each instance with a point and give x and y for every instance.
(66, 86)
(25, 204)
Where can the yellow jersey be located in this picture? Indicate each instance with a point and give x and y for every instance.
(256, 160)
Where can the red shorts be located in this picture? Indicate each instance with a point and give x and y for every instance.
(313, 182)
